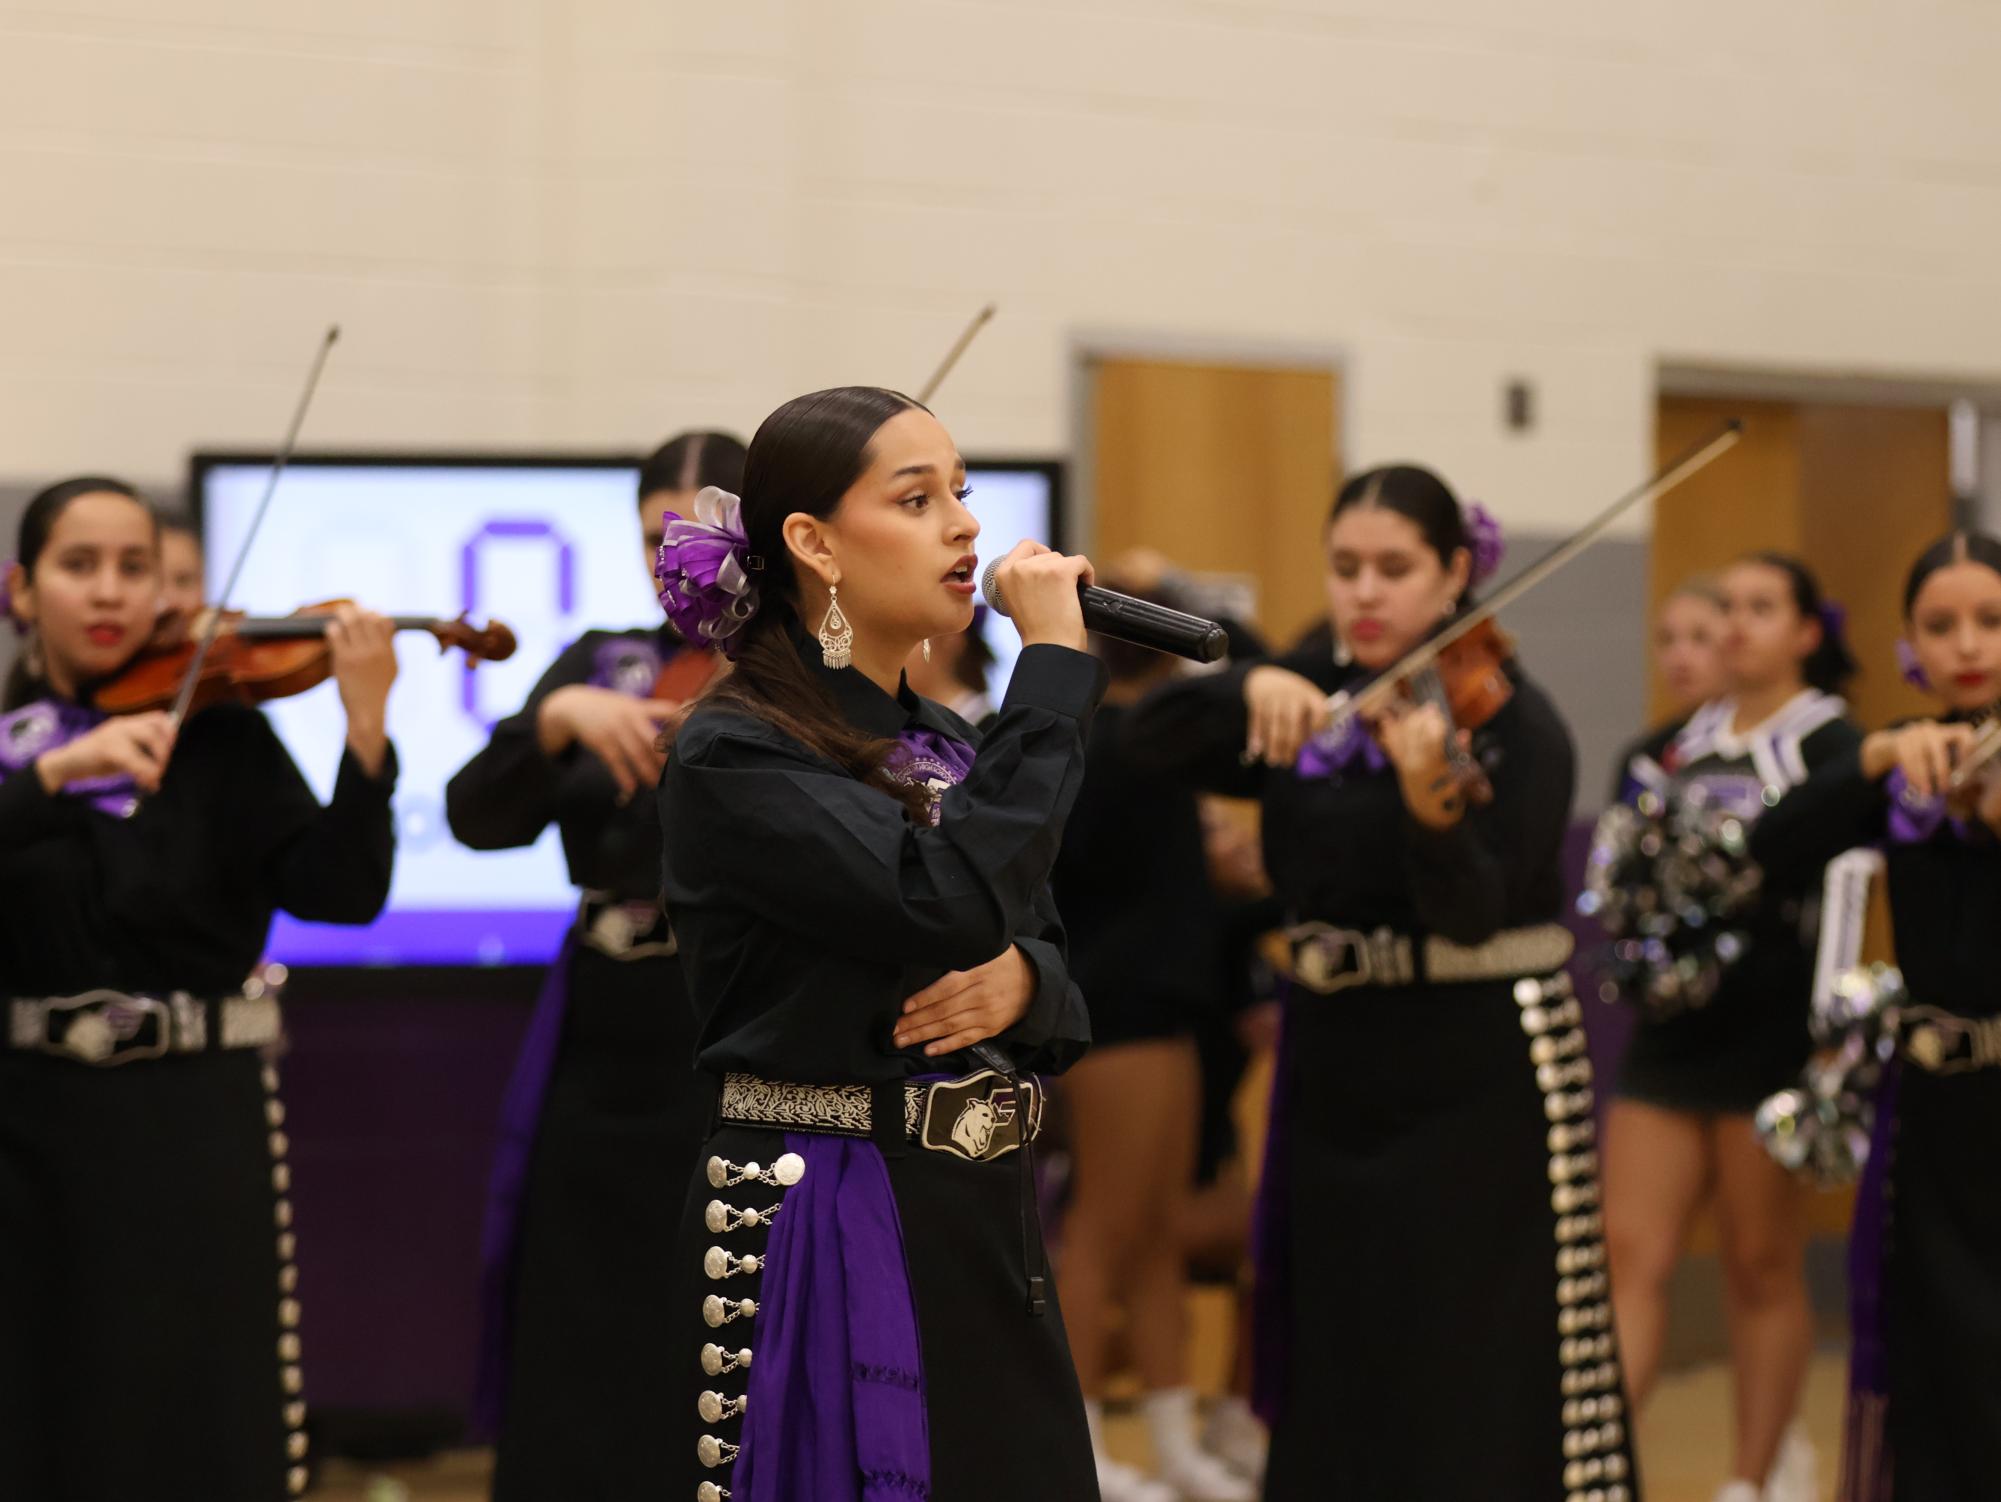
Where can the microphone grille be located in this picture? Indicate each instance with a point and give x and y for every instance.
(990, 587)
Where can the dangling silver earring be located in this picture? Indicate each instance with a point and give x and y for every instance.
(927, 649)
(31, 655)
(1343, 657)
(837, 637)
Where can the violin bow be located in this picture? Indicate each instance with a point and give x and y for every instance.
(930, 387)
(284, 455)
(1422, 656)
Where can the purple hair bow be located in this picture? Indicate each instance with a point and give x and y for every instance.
(1486, 540)
(704, 568)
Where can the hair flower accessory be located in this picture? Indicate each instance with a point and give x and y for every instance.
(1908, 667)
(1486, 540)
(704, 568)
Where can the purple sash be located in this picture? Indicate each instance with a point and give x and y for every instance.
(1271, 1244)
(1866, 1461)
(507, 1182)
(839, 1380)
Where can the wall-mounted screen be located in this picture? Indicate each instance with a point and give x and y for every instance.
(549, 545)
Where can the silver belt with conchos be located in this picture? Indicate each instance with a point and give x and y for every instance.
(625, 929)
(1944, 1042)
(1329, 959)
(103, 1028)
(977, 1117)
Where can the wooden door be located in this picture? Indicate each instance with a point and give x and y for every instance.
(1222, 468)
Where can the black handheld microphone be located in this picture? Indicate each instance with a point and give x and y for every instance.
(1140, 622)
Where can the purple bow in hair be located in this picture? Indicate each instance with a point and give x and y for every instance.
(704, 568)
(1833, 618)
(1486, 540)
(1342, 750)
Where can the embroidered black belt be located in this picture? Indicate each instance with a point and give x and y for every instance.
(103, 1028)
(977, 1117)
(625, 929)
(1329, 959)
(1944, 1042)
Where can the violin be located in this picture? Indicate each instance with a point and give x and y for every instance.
(1469, 683)
(254, 659)
(686, 674)
(1463, 667)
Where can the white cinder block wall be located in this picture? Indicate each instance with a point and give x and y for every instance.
(586, 223)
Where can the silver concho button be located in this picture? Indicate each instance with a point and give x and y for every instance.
(716, 1262)
(716, 1217)
(712, 1360)
(714, 1315)
(710, 1406)
(719, 1172)
(709, 1450)
(789, 1169)
(708, 1491)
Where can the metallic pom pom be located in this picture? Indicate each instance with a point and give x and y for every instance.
(1822, 1128)
(1668, 879)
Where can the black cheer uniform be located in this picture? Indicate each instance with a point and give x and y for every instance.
(809, 907)
(1132, 883)
(1930, 1190)
(1433, 1314)
(602, 1121)
(149, 1346)
(1750, 1038)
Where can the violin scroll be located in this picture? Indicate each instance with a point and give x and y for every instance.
(493, 642)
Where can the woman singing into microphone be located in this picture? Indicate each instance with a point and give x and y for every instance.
(865, 928)
(1432, 1313)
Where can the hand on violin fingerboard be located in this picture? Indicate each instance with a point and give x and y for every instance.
(1285, 711)
(1413, 736)
(364, 667)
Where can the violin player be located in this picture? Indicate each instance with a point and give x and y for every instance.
(1924, 1402)
(605, 1104)
(152, 1344)
(1430, 1252)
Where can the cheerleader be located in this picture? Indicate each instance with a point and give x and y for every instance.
(863, 912)
(1688, 658)
(1924, 1416)
(145, 1234)
(1679, 1130)
(1148, 949)
(1432, 1316)
(604, 1105)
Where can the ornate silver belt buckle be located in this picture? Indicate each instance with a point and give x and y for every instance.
(1318, 958)
(107, 1027)
(981, 1116)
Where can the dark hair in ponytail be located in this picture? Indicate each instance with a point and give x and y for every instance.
(804, 457)
(1830, 665)
(1419, 497)
(694, 461)
(38, 521)
(1955, 547)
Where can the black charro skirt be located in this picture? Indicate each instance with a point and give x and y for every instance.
(592, 1317)
(1943, 1292)
(999, 1395)
(149, 1347)
(1434, 1303)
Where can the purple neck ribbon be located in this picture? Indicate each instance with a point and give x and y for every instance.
(930, 760)
(48, 725)
(1914, 820)
(1349, 749)
(627, 665)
